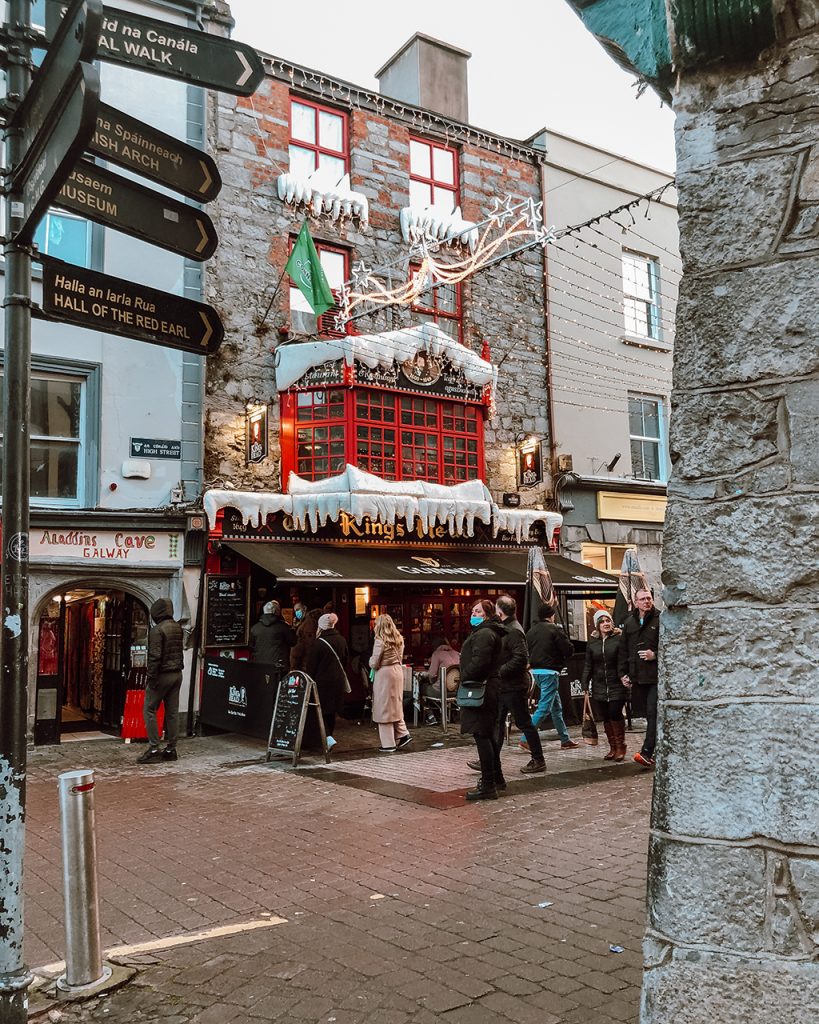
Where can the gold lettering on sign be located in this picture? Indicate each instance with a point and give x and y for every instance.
(368, 529)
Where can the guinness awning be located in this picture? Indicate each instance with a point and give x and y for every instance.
(325, 563)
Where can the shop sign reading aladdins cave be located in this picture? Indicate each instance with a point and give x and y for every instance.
(424, 374)
(106, 546)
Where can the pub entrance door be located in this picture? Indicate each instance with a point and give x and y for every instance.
(89, 643)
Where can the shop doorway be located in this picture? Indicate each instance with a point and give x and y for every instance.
(90, 644)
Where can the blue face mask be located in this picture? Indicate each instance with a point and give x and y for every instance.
(299, 613)
(475, 621)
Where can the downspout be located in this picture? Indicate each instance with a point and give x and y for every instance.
(547, 327)
(197, 632)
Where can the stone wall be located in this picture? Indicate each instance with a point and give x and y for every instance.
(503, 306)
(734, 866)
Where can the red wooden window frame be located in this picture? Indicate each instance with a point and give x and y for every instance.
(432, 181)
(396, 435)
(435, 311)
(316, 147)
(326, 325)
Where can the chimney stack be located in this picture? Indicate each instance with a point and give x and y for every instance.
(428, 73)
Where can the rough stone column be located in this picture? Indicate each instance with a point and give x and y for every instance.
(734, 866)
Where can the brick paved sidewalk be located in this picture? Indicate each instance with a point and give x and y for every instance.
(454, 932)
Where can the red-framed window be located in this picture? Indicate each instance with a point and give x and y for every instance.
(433, 175)
(318, 139)
(441, 305)
(395, 435)
(335, 263)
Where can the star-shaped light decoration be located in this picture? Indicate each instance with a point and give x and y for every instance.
(361, 276)
(502, 210)
(533, 213)
(544, 236)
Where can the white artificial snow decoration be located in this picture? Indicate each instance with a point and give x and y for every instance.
(323, 195)
(437, 224)
(312, 503)
(296, 358)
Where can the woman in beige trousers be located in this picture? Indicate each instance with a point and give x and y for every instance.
(388, 686)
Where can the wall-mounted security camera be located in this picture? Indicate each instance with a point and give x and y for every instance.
(610, 465)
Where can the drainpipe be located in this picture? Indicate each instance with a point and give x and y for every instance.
(547, 327)
(197, 631)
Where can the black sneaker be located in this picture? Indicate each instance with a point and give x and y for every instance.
(403, 741)
(153, 755)
(474, 765)
(482, 792)
(386, 750)
(534, 767)
(500, 782)
(169, 754)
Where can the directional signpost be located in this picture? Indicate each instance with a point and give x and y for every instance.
(59, 118)
(172, 51)
(124, 140)
(108, 198)
(100, 302)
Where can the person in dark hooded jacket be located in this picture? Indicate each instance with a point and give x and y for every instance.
(271, 638)
(163, 681)
(481, 657)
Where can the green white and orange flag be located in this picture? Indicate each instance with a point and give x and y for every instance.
(305, 268)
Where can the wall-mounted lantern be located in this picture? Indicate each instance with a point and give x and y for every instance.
(256, 448)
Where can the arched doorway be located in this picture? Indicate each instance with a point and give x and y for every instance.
(90, 642)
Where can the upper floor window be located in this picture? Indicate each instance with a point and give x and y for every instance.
(641, 295)
(65, 237)
(335, 264)
(396, 436)
(59, 447)
(645, 416)
(433, 175)
(441, 305)
(318, 140)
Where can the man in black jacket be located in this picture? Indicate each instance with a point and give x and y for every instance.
(271, 638)
(549, 653)
(638, 668)
(163, 681)
(514, 684)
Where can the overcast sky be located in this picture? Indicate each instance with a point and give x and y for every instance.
(533, 64)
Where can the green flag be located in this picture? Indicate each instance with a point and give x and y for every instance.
(308, 274)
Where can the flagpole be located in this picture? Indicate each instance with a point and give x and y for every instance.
(273, 297)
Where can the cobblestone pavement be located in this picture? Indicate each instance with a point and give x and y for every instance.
(401, 903)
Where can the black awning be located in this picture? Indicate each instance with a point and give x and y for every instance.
(575, 576)
(326, 563)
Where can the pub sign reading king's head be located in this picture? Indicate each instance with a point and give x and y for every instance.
(257, 435)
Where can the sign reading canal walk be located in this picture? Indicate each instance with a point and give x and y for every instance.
(173, 51)
(100, 302)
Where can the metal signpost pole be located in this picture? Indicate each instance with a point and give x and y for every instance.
(14, 978)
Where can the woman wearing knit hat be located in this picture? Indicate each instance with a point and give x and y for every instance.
(600, 675)
(325, 661)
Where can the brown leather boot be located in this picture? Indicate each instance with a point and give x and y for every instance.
(619, 740)
(610, 736)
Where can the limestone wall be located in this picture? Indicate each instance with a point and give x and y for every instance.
(734, 867)
(503, 306)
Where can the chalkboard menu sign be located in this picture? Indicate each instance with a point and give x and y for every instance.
(297, 696)
(227, 611)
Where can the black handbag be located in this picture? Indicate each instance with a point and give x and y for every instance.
(471, 694)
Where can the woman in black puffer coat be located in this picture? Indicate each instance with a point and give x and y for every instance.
(480, 660)
(601, 677)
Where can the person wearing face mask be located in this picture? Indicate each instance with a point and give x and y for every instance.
(638, 667)
(299, 612)
(601, 677)
(480, 661)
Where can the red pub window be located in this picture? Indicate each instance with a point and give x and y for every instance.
(318, 140)
(395, 436)
(433, 175)
(334, 263)
(441, 305)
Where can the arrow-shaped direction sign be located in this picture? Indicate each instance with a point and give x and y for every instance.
(76, 40)
(100, 302)
(120, 203)
(171, 50)
(122, 139)
(67, 135)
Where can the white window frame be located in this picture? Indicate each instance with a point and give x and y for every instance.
(87, 375)
(651, 302)
(659, 440)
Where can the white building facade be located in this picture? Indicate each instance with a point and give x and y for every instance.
(116, 451)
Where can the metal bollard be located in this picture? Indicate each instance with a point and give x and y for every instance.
(83, 955)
